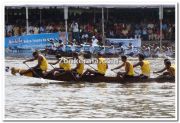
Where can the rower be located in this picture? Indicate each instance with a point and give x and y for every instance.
(129, 70)
(170, 70)
(94, 41)
(145, 67)
(58, 57)
(146, 51)
(78, 70)
(64, 66)
(42, 66)
(102, 67)
(156, 50)
(130, 50)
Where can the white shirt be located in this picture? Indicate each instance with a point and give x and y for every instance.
(9, 28)
(94, 42)
(130, 50)
(150, 25)
(147, 51)
(156, 50)
(168, 51)
(36, 30)
(74, 27)
(86, 36)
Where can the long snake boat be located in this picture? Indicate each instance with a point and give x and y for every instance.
(70, 78)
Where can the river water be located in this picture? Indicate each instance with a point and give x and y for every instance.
(88, 100)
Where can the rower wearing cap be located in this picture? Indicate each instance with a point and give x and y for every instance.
(129, 70)
(170, 69)
(101, 67)
(145, 67)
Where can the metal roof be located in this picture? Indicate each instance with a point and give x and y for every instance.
(88, 6)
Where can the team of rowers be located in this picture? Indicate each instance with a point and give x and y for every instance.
(40, 70)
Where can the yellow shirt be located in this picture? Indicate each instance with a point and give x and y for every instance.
(171, 70)
(102, 66)
(64, 64)
(145, 68)
(131, 69)
(44, 64)
(80, 69)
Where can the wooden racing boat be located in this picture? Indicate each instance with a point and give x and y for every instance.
(70, 78)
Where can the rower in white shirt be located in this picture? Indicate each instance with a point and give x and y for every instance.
(73, 47)
(147, 51)
(168, 51)
(94, 41)
(130, 50)
(156, 50)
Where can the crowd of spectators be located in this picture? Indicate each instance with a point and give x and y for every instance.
(17, 29)
(146, 30)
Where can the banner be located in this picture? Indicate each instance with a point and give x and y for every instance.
(123, 42)
(37, 41)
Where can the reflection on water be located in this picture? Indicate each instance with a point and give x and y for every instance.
(87, 100)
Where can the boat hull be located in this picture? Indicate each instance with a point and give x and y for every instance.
(68, 78)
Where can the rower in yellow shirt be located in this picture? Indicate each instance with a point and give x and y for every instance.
(102, 67)
(169, 69)
(79, 69)
(145, 67)
(129, 70)
(40, 68)
(64, 66)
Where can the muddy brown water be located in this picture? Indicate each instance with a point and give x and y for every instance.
(89, 100)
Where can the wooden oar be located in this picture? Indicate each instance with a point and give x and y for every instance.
(92, 67)
(113, 71)
(52, 66)
(64, 72)
(37, 74)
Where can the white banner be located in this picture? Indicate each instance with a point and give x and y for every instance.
(123, 42)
